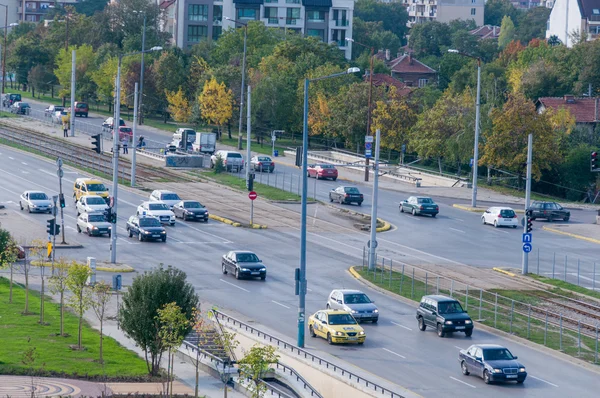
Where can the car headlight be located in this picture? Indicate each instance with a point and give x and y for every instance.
(263, 269)
(109, 227)
(339, 333)
(361, 333)
(146, 232)
(521, 370)
(448, 322)
(354, 311)
(245, 269)
(163, 232)
(497, 370)
(468, 322)
(93, 227)
(34, 206)
(376, 311)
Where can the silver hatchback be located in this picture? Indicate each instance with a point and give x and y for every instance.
(355, 302)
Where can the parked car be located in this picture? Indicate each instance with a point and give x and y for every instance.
(20, 108)
(81, 109)
(35, 202)
(179, 133)
(107, 125)
(500, 217)
(491, 362)
(346, 195)
(146, 228)
(355, 302)
(89, 186)
(175, 145)
(160, 210)
(262, 163)
(320, 171)
(550, 211)
(9, 99)
(420, 205)
(205, 143)
(243, 264)
(168, 197)
(232, 161)
(336, 326)
(49, 111)
(444, 314)
(190, 210)
(57, 116)
(125, 133)
(94, 224)
(91, 204)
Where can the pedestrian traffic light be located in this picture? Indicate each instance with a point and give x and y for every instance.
(250, 182)
(594, 165)
(50, 226)
(61, 199)
(528, 214)
(113, 217)
(96, 143)
(107, 214)
(56, 229)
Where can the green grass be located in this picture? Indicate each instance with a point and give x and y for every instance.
(263, 190)
(563, 288)
(21, 333)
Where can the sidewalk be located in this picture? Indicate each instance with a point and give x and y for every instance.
(587, 232)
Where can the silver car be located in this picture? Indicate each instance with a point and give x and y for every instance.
(93, 224)
(57, 116)
(35, 202)
(355, 302)
(91, 204)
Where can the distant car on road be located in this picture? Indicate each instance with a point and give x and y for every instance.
(346, 195)
(320, 171)
(35, 202)
(491, 362)
(49, 111)
(146, 228)
(9, 99)
(355, 302)
(93, 224)
(107, 125)
(81, 109)
(91, 204)
(550, 211)
(160, 210)
(262, 163)
(20, 108)
(243, 264)
(500, 217)
(190, 210)
(336, 326)
(232, 161)
(125, 133)
(57, 116)
(168, 197)
(444, 314)
(419, 205)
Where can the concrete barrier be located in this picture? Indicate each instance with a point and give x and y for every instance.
(184, 161)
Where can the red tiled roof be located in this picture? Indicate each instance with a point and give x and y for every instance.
(585, 110)
(407, 64)
(380, 79)
(165, 4)
(486, 32)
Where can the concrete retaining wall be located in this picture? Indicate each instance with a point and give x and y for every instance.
(184, 161)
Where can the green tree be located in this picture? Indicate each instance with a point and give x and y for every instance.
(373, 34)
(173, 326)
(495, 10)
(100, 298)
(216, 104)
(428, 38)
(393, 15)
(80, 301)
(8, 255)
(85, 64)
(25, 53)
(394, 117)
(170, 73)
(149, 293)
(531, 24)
(255, 364)
(507, 32)
(58, 285)
(104, 77)
(349, 109)
(39, 79)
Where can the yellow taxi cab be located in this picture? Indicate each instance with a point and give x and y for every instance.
(336, 326)
(89, 186)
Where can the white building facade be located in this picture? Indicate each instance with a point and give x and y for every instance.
(420, 11)
(572, 19)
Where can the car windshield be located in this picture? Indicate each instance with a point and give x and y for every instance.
(327, 166)
(341, 319)
(497, 354)
(192, 205)
(81, 106)
(170, 196)
(96, 201)
(424, 200)
(234, 155)
(356, 298)
(158, 206)
(264, 159)
(507, 213)
(351, 190)
(38, 196)
(126, 129)
(449, 307)
(96, 218)
(58, 108)
(149, 222)
(96, 188)
(246, 258)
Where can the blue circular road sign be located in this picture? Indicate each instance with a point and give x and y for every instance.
(527, 247)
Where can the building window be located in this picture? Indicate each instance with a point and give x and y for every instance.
(216, 31)
(339, 36)
(196, 33)
(315, 16)
(473, 11)
(423, 82)
(292, 15)
(271, 15)
(340, 18)
(473, 1)
(197, 12)
(246, 13)
(217, 13)
(320, 33)
(271, 1)
(292, 1)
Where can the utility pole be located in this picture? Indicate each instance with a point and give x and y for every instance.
(242, 90)
(4, 46)
(476, 144)
(373, 239)
(60, 174)
(54, 199)
(73, 68)
(369, 111)
(525, 264)
(141, 118)
(133, 135)
(248, 141)
(115, 154)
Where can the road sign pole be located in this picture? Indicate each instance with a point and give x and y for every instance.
(373, 239)
(525, 262)
(251, 213)
(54, 199)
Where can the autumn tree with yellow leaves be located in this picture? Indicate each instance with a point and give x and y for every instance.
(179, 107)
(394, 117)
(216, 103)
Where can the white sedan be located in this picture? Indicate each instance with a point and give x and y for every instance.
(35, 202)
(57, 117)
(500, 217)
(160, 210)
(91, 204)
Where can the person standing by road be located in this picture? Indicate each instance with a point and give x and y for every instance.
(125, 142)
(65, 127)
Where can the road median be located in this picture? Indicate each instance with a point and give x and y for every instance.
(479, 209)
(573, 235)
(503, 271)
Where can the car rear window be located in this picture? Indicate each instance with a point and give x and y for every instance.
(327, 166)
(81, 105)
(234, 155)
(158, 206)
(126, 129)
(351, 190)
(170, 196)
(425, 200)
(96, 201)
(507, 213)
(264, 159)
(96, 187)
(149, 222)
(96, 218)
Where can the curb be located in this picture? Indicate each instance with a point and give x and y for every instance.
(59, 246)
(478, 209)
(224, 220)
(558, 231)
(502, 271)
(386, 225)
(258, 226)
(118, 268)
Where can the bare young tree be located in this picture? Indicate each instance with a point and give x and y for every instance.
(101, 295)
(8, 256)
(173, 324)
(58, 285)
(77, 277)
(38, 250)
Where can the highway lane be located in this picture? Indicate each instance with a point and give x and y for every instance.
(419, 361)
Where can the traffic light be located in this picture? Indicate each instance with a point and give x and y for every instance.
(298, 161)
(61, 199)
(56, 229)
(50, 226)
(250, 182)
(107, 214)
(594, 165)
(528, 214)
(96, 143)
(113, 217)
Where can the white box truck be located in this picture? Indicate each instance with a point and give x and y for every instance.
(205, 143)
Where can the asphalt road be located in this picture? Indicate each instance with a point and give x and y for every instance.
(395, 349)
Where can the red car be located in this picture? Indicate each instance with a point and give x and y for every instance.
(125, 132)
(319, 171)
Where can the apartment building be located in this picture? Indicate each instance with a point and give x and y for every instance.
(571, 19)
(191, 21)
(30, 10)
(420, 11)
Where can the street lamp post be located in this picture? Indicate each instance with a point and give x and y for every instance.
(477, 116)
(6, 26)
(245, 25)
(301, 287)
(115, 150)
(370, 98)
(141, 115)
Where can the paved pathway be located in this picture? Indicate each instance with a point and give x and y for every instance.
(26, 387)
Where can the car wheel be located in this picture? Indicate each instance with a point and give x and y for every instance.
(360, 203)
(495, 224)
(89, 232)
(414, 212)
(514, 226)
(566, 219)
(78, 228)
(130, 234)
(212, 165)
(262, 278)
(164, 239)
(468, 333)
(237, 273)
(21, 205)
(223, 269)
(401, 209)
(483, 220)
(172, 224)
(311, 331)
(329, 339)
(317, 177)
(375, 320)
(140, 237)
(109, 234)
(520, 381)
(28, 209)
(330, 199)
(486, 377)
(433, 215)
(463, 367)
(328, 306)
(334, 178)
(361, 342)
(440, 330)
(422, 325)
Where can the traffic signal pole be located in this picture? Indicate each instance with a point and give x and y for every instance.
(525, 263)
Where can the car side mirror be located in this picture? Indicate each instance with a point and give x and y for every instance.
(339, 301)
(433, 313)
(324, 322)
(515, 357)
(478, 359)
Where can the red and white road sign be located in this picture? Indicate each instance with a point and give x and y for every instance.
(252, 195)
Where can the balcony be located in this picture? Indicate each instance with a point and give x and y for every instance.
(31, 10)
(291, 21)
(341, 22)
(273, 21)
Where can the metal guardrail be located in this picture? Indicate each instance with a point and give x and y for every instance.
(299, 378)
(307, 355)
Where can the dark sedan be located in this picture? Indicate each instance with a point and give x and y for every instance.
(243, 264)
(550, 211)
(190, 210)
(492, 363)
(346, 195)
(419, 205)
(146, 228)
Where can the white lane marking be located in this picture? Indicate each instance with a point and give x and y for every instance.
(542, 380)
(24, 172)
(24, 163)
(284, 306)
(54, 175)
(234, 285)
(315, 216)
(460, 348)
(395, 353)
(502, 232)
(458, 230)
(11, 158)
(456, 219)
(460, 381)
(402, 326)
(124, 240)
(225, 240)
(200, 242)
(176, 240)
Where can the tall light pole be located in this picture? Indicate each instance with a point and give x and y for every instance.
(301, 282)
(140, 110)
(115, 150)
(6, 26)
(477, 115)
(369, 111)
(243, 79)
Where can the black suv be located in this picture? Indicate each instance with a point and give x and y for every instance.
(550, 211)
(146, 228)
(445, 314)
